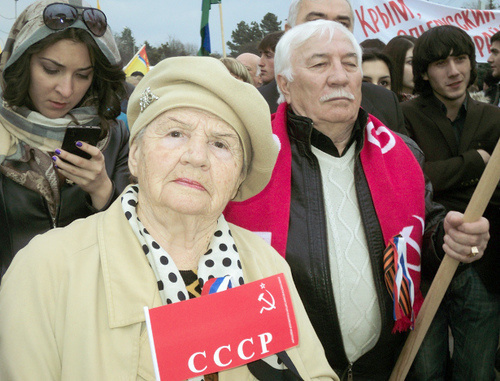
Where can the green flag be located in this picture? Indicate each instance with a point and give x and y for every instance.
(205, 49)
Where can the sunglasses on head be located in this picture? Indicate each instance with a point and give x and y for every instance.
(59, 16)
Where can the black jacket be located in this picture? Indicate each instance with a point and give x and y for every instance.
(24, 213)
(455, 167)
(307, 254)
(377, 101)
(493, 93)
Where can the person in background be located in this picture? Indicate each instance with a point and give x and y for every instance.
(490, 87)
(266, 63)
(237, 69)
(72, 301)
(377, 69)
(372, 44)
(269, 90)
(129, 88)
(251, 62)
(493, 92)
(135, 78)
(400, 51)
(376, 100)
(457, 135)
(60, 68)
(344, 189)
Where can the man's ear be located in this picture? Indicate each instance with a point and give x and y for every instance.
(283, 84)
(287, 27)
(425, 76)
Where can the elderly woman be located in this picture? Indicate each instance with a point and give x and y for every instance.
(72, 301)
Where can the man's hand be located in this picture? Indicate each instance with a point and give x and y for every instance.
(485, 155)
(462, 238)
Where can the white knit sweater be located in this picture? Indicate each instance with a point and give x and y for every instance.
(353, 286)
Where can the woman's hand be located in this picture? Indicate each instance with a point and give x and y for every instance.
(89, 174)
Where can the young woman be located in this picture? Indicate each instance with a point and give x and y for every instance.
(60, 71)
(400, 51)
(377, 69)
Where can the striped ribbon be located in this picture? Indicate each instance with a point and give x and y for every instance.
(398, 282)
(217, 284)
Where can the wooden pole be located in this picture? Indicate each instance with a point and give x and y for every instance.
(222, 31)
(475, 209)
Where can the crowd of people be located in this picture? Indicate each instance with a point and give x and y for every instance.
(345, 165)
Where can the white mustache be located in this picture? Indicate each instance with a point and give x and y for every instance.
(337, 93)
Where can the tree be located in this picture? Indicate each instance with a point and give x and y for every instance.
(245, 38)
(172, 48)
(269, 24)
(491, 4)
(154, 54)
(248, 47)
(240, 36)
(126, 45)
(177, 48)
(477, 4)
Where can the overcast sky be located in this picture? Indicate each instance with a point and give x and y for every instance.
(158, 20)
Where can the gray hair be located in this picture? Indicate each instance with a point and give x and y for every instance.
(298, 36)
(293, 11)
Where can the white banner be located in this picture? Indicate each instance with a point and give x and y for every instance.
(385, 19)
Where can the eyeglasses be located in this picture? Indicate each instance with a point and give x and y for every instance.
(59, 16)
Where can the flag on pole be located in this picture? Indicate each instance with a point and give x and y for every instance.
(205, 49)
(139, 62)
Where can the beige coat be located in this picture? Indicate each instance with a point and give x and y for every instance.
(71, 305)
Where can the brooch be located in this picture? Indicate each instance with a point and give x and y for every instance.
(146, 99)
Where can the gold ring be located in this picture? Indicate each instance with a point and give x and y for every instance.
(473, 251)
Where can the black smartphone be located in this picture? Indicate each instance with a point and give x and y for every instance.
(87, 134)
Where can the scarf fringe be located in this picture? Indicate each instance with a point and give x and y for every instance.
(402, 325)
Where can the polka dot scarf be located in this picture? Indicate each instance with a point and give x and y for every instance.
(221, 259)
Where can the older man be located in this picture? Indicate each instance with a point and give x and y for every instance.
(347, 199)
(378, 101)
(251, 62)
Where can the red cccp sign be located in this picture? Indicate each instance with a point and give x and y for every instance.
(223, 356)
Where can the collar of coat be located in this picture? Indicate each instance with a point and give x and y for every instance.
(129, 282)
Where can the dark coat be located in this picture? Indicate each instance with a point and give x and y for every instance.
(24, 212)
(493, 93)
(308, 257)
(455, 168)
(377, 101)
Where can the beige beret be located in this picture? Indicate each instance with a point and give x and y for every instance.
(205, 83)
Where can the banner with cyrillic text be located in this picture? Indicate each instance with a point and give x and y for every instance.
(222, 330)
(385, 19)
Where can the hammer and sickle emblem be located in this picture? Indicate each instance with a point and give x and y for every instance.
(270, 305)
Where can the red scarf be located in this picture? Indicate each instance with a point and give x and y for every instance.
(396, 185)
